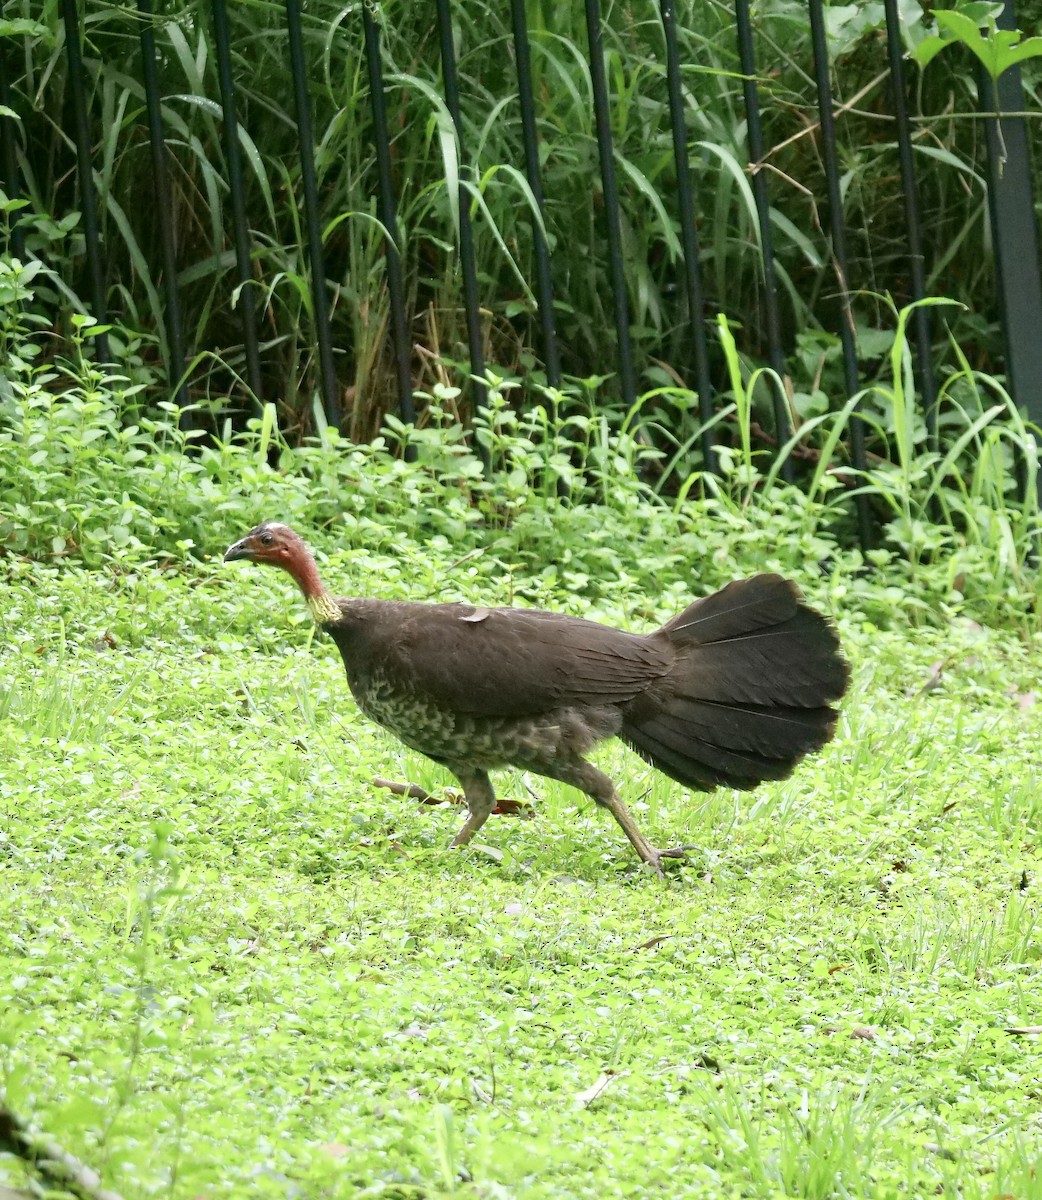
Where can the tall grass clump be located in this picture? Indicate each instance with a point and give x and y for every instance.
(429, 162)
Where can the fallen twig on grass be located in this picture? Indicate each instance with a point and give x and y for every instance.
(56, 1166)
(503, 808)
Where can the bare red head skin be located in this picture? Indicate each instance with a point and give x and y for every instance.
(277, 545)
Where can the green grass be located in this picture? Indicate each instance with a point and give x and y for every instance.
(230, 966)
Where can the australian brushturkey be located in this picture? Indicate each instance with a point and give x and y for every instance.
(734, 690)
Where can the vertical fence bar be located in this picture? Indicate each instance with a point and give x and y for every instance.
(468, 266)
(696, 305)
(9, 151)
(316, 257)
(838, 231)
(910, 192)
(85, 174)
(606, 151)
(529, 135)
(237, 188)
(386, 210)
(1015, 231)
(771, 311)
(164, 208)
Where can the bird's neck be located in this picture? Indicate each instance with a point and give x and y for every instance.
(324, 609)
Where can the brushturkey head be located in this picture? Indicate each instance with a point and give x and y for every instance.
(278, 546)
(271, 543)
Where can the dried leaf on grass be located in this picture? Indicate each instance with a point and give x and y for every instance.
(514, 808)
(651, 943)
(933, 679)
(604, 1081)
(335, 1149)
(935, 675)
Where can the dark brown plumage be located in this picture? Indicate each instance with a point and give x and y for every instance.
(733, 691)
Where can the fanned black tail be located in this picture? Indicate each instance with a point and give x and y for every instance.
(750, 693)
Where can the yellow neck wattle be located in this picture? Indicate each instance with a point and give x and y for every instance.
(324, 609)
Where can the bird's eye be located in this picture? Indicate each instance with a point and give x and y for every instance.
(266, 539)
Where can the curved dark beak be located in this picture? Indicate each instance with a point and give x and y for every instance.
(239, 550)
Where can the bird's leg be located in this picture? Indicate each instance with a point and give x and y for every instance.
(600, 788)
(481, 800)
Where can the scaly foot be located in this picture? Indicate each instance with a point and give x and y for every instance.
(677, 854)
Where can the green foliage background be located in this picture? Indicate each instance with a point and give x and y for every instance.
(426, 157)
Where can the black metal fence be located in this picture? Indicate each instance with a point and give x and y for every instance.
(1009, 187)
